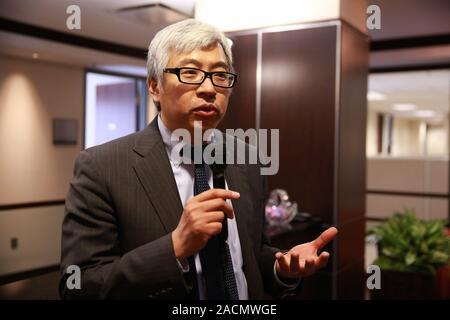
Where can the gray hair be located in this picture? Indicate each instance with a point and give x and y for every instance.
(183, 36)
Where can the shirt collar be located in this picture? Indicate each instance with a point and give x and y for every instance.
(166, 136)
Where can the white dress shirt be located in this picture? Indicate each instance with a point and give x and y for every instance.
(184, 177)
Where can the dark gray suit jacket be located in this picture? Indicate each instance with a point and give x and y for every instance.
(121, 208)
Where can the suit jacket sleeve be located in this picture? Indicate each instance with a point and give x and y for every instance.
(91, 240)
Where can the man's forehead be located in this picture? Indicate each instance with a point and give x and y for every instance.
(213, 54)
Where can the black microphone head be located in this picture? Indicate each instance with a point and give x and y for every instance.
(219, 153)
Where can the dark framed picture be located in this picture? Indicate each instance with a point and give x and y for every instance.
(65, 131)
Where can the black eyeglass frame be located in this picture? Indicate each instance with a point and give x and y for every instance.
(207, 74)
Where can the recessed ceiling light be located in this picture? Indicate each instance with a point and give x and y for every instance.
(375, 96)
(404, 107)
(426, 113)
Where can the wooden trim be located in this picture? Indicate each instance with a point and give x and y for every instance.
(412, 42)
(376, 219)
(409, 194)
(380, 133)
(71, 39)
(28, 274)
(36, 204)
(431, 66)
(114, 73)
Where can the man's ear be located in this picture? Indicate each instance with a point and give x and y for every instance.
(154, 89)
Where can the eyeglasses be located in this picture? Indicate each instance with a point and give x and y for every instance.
(197, 76)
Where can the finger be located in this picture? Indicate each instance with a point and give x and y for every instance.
(322, 260)
(282, 262)
(217, 205)
(294, 263)
(309, 266)
(213, 228)
(217, 193)
(212, 216)
(325, 238)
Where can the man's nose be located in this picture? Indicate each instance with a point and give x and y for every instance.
(207, 87)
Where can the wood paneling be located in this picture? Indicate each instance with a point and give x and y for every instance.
(298, 90)
(352, 126)
(351, 281)
(350, 243)
(241, 108)
(322, 127)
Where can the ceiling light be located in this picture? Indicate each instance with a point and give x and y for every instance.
(153, 14)
(404, 107)
(375, 96)
(426, 113)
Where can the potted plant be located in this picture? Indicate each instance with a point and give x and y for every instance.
(413, 255)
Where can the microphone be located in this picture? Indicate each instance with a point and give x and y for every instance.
(218, 170)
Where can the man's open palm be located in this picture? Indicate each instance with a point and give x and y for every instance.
(303, 260)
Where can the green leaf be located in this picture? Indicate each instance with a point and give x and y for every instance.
(410, 258)
(424, 247)
(407, 243)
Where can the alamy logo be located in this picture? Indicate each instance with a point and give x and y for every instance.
(74, 280)
(374, 280)
(229, 152)
(374, 20)
(74, 20)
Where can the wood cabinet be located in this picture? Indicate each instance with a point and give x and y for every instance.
(309, 82)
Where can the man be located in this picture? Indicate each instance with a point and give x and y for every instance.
(139, 224)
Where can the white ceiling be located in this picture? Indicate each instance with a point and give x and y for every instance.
(99, 20)
(428, 90)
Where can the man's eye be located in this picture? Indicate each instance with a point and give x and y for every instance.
(221, 76)
(189, 73)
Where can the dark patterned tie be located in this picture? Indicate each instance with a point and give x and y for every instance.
(217, 266)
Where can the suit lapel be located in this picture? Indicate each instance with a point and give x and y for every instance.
(155, 173)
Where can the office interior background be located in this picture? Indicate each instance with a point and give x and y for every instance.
(363, 115)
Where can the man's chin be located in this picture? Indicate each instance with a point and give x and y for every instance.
(205, 123)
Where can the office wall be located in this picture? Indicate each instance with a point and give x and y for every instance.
(408, 174)
(381, 206)
(32, 169)
(437, 139)
(407, 139)
(410, 137)
(38, 234)
(409, 180)
(371, 134)
(32, 93)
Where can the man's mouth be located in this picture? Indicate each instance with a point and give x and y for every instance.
(206, 110)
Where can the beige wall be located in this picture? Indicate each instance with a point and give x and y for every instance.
(371, 134)
(38, 231)
(420, 174)
(32, 93)
(407, 174)
(437, 139)
(390, 174)
(406, 137)
(383, 206)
